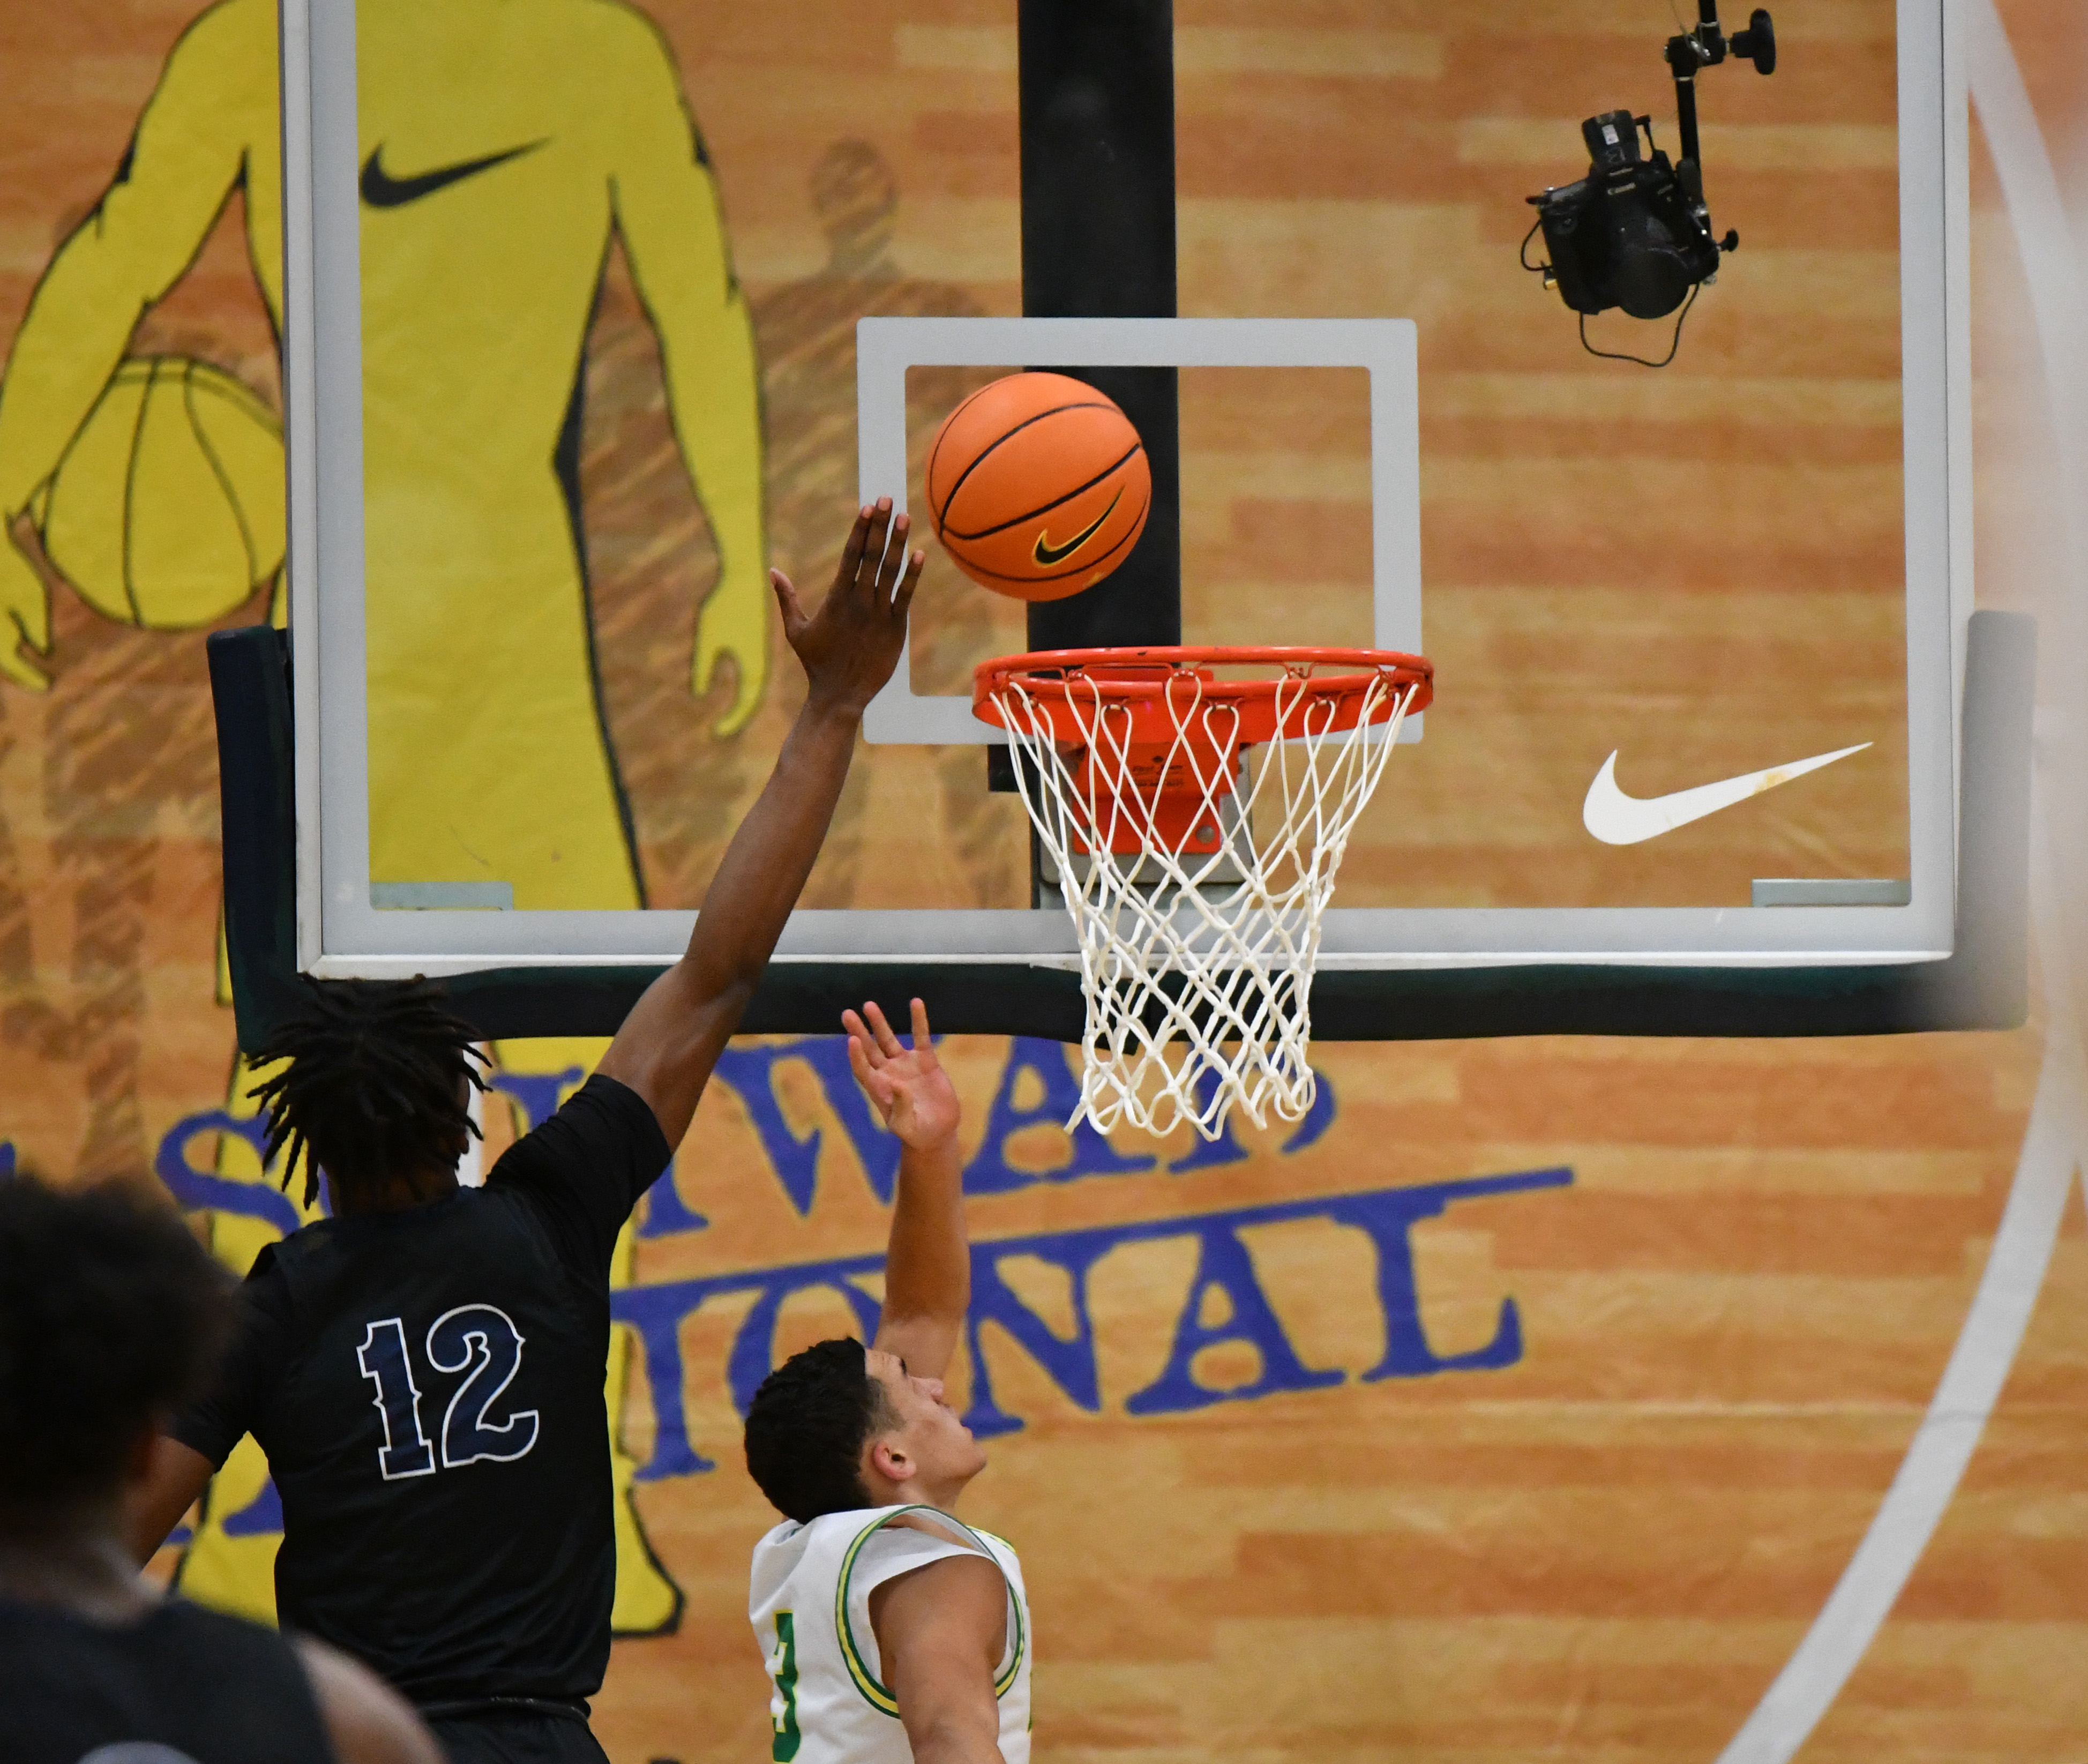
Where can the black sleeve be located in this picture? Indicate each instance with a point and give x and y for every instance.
(585, 1169)
(248, 1374)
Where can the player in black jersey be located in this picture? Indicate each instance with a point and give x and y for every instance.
(424, 1369)
(109, 1313)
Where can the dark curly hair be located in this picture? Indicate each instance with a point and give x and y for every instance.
(110, 1314)
(375, 1082)
(806, 1427)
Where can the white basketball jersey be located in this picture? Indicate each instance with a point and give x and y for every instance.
(810, 1605)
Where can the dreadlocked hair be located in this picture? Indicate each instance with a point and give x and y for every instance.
(372, 1082)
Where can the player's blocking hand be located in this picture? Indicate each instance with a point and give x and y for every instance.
(909, 1086)
(851, 644)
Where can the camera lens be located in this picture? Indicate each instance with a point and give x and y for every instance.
(1649, 281)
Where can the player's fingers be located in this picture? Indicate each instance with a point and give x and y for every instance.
(903, 599)
(875, 537)
(893, 562)
(871, 1074)
(887, 1042)
(920, 1027)
(875, 1081)
(859, 1034)
(852, 552)
(859, 1063)
(787, 604)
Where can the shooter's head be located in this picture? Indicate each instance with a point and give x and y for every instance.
(841, 1426)
(111, 1316)
(377, 1086)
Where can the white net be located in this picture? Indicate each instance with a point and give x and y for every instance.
(1197, 946)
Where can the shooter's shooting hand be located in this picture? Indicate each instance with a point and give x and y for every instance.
(671, 1040)
(909, 1086)
(851, 644)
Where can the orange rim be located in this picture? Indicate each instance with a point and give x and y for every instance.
(1147, 682)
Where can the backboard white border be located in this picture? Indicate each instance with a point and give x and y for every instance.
(341, 936)
(1387, 348)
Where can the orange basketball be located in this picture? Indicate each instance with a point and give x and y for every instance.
(1039, 486)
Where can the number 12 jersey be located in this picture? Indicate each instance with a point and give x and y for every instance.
(427, 1385)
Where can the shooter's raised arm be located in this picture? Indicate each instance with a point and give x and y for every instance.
(674, 1035)
(927, 1270)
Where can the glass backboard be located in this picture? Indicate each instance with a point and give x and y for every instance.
(571, 358)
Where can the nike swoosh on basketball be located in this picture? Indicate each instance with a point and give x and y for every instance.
(1047, 554)
(381, 190)
(1618, 819)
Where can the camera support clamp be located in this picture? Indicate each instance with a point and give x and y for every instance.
(1706, 46)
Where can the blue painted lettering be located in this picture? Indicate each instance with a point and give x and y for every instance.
(1049, 1063)
(261, 1517)
(751, 1074)
(1224, 1268)
(536, 1093)
(197, 1189)
(1069, 1361)
(1210, 1154)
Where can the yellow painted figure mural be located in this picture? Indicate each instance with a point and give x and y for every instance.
(505, 143)
(1571, 1398)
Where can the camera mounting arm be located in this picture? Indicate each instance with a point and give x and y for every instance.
(1635, 231)
(1706, 46)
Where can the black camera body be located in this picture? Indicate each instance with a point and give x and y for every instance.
(1630, 233)
(1635, 231)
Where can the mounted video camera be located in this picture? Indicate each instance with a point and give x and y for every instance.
(1635, 231)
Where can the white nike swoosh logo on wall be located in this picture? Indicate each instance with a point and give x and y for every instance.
(1618, 819)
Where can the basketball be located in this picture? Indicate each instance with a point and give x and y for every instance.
(167, 510)
(1039, 486)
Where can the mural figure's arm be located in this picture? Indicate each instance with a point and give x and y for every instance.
(666, 206)
(181, 165)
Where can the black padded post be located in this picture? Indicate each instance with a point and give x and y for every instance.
(250, 689)
(1097, 96)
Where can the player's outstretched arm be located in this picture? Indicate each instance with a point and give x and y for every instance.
(673, 1037)
(927, 1268)
(940, 1632)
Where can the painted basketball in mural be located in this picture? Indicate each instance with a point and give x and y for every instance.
(167, 510)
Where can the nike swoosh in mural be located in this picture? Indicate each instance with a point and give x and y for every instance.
(1618, 819)
(381, 190)
(1047, 554)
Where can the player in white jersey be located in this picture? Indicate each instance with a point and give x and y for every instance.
(892, 1631)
